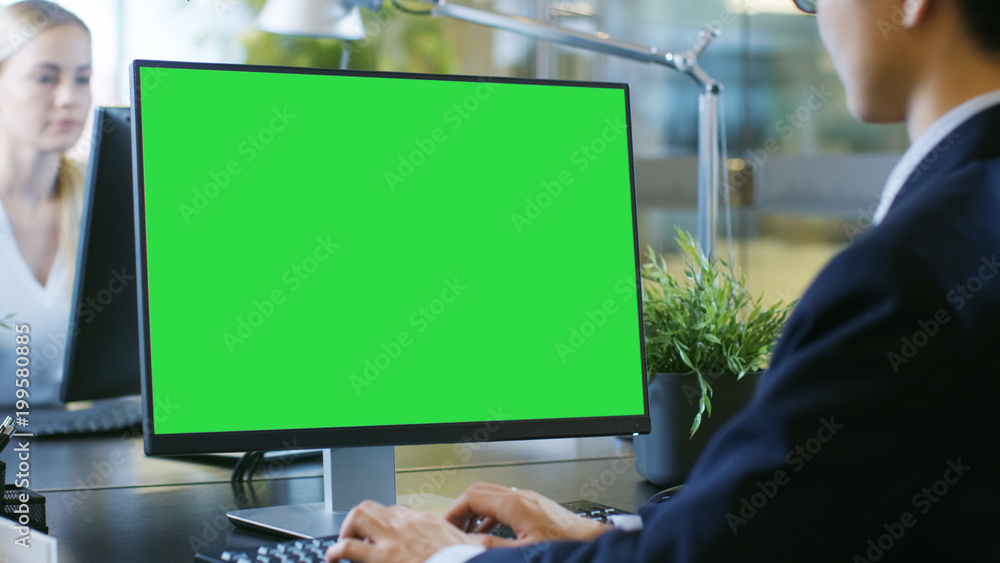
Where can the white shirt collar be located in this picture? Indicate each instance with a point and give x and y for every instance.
(935, 134)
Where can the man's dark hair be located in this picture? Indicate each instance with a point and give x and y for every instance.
(980, 18)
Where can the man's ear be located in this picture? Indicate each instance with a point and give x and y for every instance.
(915, 12)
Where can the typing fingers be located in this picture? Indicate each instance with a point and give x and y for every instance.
(367, 520)
(350, 549)
(481, 501)
(485, 525)
(532, 516)
(393, 534)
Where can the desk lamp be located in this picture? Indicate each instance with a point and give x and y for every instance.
(341, 19)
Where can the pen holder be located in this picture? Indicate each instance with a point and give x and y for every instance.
(12, 504)
(15, 499)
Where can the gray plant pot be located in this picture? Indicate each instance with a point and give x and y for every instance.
(665, 455)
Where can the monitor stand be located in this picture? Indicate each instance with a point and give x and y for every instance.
(350, 475)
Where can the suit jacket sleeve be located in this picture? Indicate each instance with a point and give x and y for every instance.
(872, 437)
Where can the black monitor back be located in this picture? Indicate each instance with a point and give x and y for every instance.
(102, 350)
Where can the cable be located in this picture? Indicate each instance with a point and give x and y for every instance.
(244, 468)
(665, 494)
(412, 12)
(255, 464)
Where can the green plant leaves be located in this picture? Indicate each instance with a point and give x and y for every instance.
(4, 319)
(709, 325)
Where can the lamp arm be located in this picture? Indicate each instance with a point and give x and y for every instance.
(684, 62)
(710, 165)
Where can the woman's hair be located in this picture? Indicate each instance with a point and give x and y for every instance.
(19, 24)
(22, 21)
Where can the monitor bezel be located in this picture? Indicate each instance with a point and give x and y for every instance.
(96, 366)
(389, 435)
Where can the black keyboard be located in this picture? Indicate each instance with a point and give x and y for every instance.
(585, 508)
(103, 416)
(294, 551)
(594, 510)
(312, 551)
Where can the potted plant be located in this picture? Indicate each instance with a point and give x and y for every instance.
(707, 341)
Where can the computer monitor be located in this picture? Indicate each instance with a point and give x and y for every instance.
(356, 260)
(102, 347)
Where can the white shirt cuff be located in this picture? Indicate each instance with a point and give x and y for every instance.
(456, 554)
(465, 552)
(626, 522)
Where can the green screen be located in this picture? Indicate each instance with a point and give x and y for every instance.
(331, 250)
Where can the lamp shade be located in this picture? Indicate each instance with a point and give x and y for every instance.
(312, 18)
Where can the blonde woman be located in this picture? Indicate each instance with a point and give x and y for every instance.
(45, 66)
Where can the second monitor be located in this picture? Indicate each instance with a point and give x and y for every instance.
(102, 350)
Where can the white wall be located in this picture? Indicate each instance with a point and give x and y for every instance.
(197, 30)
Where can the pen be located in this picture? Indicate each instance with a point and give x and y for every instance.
(6, 429)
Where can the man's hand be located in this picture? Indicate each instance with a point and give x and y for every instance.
(393, 534)
(533, 517)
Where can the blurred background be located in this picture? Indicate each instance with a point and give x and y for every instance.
(805, 175)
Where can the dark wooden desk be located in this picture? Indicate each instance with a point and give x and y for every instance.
(107, 501)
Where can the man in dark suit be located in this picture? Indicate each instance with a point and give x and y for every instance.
(873, 438)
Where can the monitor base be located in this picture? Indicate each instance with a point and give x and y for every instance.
(350, 475)
(307, 521)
